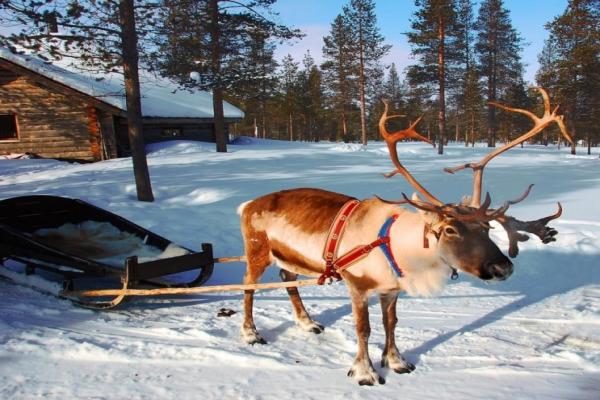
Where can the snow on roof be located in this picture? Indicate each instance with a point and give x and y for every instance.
(161, 98)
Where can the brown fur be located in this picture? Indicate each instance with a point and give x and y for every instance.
(311, 210)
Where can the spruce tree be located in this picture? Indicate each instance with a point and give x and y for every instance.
(310, 97)
(498, 49)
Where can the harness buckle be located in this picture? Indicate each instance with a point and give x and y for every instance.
(454, 275)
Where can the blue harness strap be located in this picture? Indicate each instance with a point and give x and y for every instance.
(384, 232)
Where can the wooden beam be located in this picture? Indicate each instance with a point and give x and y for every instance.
(188, 290)
(169, 120)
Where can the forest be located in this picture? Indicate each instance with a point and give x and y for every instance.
(467, 54)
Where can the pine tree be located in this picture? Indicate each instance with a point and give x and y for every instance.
(338, 67)
(289, 89)
(514, 125)
(99, 36)
(571, 63)
(375, 91)
(367, 44)
(310, 97)
(253, 93)
(468, 91)
(212, 37)
(394, 90)
(316, 104)
(431, 42)
(498, 49)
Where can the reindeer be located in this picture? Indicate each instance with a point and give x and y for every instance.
(416, 254)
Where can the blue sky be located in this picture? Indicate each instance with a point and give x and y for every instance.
(314, 17)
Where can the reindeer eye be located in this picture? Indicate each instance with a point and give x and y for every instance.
(450, 231)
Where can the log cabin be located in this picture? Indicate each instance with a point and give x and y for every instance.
(54, 112)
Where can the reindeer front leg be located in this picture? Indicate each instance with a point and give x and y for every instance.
(362, 369)
(391, 357)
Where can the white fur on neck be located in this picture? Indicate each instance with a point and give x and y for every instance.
(425, 273)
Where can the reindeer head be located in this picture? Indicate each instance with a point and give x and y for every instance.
(462, 230)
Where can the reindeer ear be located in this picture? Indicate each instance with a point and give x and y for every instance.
(427, 216)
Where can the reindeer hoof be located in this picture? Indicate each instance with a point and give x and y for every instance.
(252, 337)
(365, 377)
(258, 340)
(311, 326)
(405, 370)
(317, 328)
(398, 364)
(371, 382)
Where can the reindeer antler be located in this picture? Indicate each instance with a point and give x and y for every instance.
(539, 125)
(538, 227)
(392, 139)
(511, 224)
(472, 210)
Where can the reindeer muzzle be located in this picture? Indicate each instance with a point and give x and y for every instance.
(497, 270)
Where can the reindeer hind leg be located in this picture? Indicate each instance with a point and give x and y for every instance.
(303, 320)
(258, 256)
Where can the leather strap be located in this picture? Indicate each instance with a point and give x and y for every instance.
(334, 265)
(333, 239)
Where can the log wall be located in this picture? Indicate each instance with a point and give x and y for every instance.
(51, 124)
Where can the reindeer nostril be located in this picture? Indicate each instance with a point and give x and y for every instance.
(502, 270)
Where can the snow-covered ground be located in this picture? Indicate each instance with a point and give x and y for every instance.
(535, 336)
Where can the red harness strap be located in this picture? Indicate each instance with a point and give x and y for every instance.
(333, 264)
(331, 246)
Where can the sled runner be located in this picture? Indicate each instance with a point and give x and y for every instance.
(30, 228)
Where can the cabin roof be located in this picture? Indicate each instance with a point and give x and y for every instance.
(161, 98)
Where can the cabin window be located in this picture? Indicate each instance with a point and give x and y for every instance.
(8, 127)
(172, 132)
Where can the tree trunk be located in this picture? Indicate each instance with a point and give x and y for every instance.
(456, 129)
(589, 144)
(473, 130)
(220, 136)
(264, 119)
(132, 98)
(219, 115)
(573, 135)
(441, 81)
(344, 126)
(491, 114)
(361, 84)
(290, 127)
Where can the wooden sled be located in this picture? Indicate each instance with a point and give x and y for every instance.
(20, 217)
